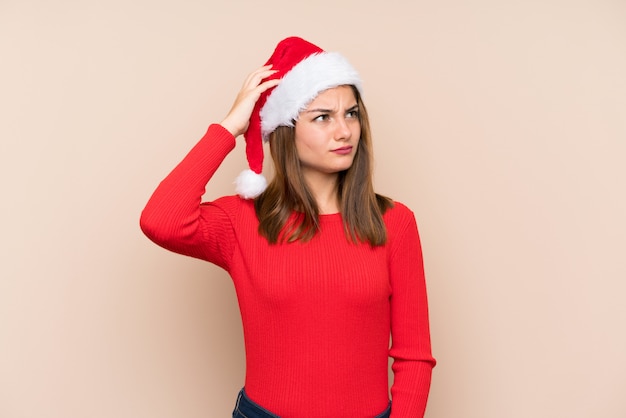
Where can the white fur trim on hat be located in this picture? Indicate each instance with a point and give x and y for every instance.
(250, 184)
(307, 79)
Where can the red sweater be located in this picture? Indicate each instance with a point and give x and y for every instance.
(318, 315)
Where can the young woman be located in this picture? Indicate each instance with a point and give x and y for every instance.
(325, 270)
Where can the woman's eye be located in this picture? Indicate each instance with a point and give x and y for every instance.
(321, 118)
(353, 114)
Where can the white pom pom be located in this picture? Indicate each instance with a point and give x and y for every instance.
(250, 184)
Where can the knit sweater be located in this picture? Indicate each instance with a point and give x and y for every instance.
(318, 315)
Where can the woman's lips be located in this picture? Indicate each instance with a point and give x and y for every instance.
(343, 150)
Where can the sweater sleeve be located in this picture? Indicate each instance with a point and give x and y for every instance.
(410, 334)
(174, 216)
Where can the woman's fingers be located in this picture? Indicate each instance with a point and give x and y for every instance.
(259, 74)
(239, 115)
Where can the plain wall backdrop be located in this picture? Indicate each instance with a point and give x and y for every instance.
(502, 124)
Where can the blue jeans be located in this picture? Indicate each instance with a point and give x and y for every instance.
(245, 408)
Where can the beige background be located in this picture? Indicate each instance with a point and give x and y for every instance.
(502, 124)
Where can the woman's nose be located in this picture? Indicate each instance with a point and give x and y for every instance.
(342, 130)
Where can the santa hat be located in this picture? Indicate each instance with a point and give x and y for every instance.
(305, 71)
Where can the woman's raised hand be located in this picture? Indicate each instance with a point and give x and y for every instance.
(238, 118)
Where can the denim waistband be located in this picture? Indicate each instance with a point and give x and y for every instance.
(246, 408)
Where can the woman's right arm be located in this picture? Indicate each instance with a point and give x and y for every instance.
(174, 217)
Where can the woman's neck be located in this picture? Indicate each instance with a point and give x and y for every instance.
(325, 192)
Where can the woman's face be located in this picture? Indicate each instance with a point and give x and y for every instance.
(327, 132)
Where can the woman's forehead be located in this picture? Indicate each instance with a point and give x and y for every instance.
(341, 96)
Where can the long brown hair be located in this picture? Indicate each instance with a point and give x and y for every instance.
(288, 194)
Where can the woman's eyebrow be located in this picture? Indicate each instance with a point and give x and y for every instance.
(320, 110)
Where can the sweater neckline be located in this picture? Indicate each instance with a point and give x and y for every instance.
(327, 217)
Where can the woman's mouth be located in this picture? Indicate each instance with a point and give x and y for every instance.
(343, 150)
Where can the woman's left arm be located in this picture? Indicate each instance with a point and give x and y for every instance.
(410, 330)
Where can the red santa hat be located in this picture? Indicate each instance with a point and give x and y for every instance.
(305, 71)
